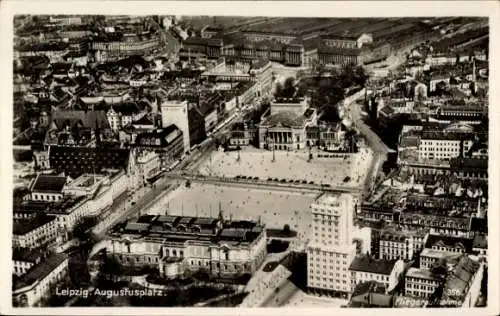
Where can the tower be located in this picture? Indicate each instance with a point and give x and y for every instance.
(332, 243)
(176, 112)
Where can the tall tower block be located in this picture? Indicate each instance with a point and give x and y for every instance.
(331, 248)
(176, 112)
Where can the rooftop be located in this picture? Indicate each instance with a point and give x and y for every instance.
(283, 118)
(48, 184)
(24, 226)
(26, 254)
(480, 241)
(40, 271)
(421, 274)
(449, 241)
(371, 265)
(459, 280)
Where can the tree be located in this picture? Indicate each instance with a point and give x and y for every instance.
(286, 229)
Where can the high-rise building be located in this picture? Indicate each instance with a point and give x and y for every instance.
(331, 248)
(176, 112)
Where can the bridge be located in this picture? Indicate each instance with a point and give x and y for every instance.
(263, 184)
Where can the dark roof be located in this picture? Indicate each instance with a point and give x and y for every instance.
(463, 164)
(46, 183)
(41, 270)
(74, 161)
(145, 120)
(478, 224)
(26, 254)
(372, 265)
(92, 119)
(127, 108)
(449, 241)
(24, 226)
(368, 287)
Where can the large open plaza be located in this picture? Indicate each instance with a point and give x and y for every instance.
(276, 208)
(286, 165)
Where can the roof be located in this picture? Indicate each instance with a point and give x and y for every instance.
(368, 287)
(459, 280)
(233, 233)
(26, 254)
(478, 224)
(24, 226)
(92, 119)
(480, 241)
(74, 161)
(372, 265)
(41, 271)
(449, 241)
(421, 274)
(49, 184)
(283, 118)
(127, 108)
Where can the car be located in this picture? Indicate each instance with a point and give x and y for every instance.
(269, 179)
(237, 177)
(347, 179)
(283, 180)
(311, 182)
(304, 181)
(297, 181)
(256, 178)
(290, 181)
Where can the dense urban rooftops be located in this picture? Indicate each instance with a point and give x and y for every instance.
(24, 226)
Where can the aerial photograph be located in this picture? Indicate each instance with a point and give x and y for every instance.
(249, 161)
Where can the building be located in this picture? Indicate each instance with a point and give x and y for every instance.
(401, 244)
(148, 164)
(169, 142)
(176, 243)
(75, 160)
(420, 283)
(365, 268)
(480, 246)
(35, 232)
(469, 168)
(442, 246)
(463, 284)
(122, 115)
(298, 106)
(331, 249)
(370, 294)
(282, 131)
(24, 259)
(114, 49)
(47, 188)
(443, 145)
(242, 135)
(39, 283)
(176, 112)
(263, 72)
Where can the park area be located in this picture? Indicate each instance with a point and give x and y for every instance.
(287, 165)
(276, 208)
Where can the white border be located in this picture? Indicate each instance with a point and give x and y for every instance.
(243, 8)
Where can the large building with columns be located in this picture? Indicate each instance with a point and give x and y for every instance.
(284, 130)
(175, 244)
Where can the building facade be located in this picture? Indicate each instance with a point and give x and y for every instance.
(420, 283)
(176, 112)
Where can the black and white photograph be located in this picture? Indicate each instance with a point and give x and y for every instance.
(162, 159)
